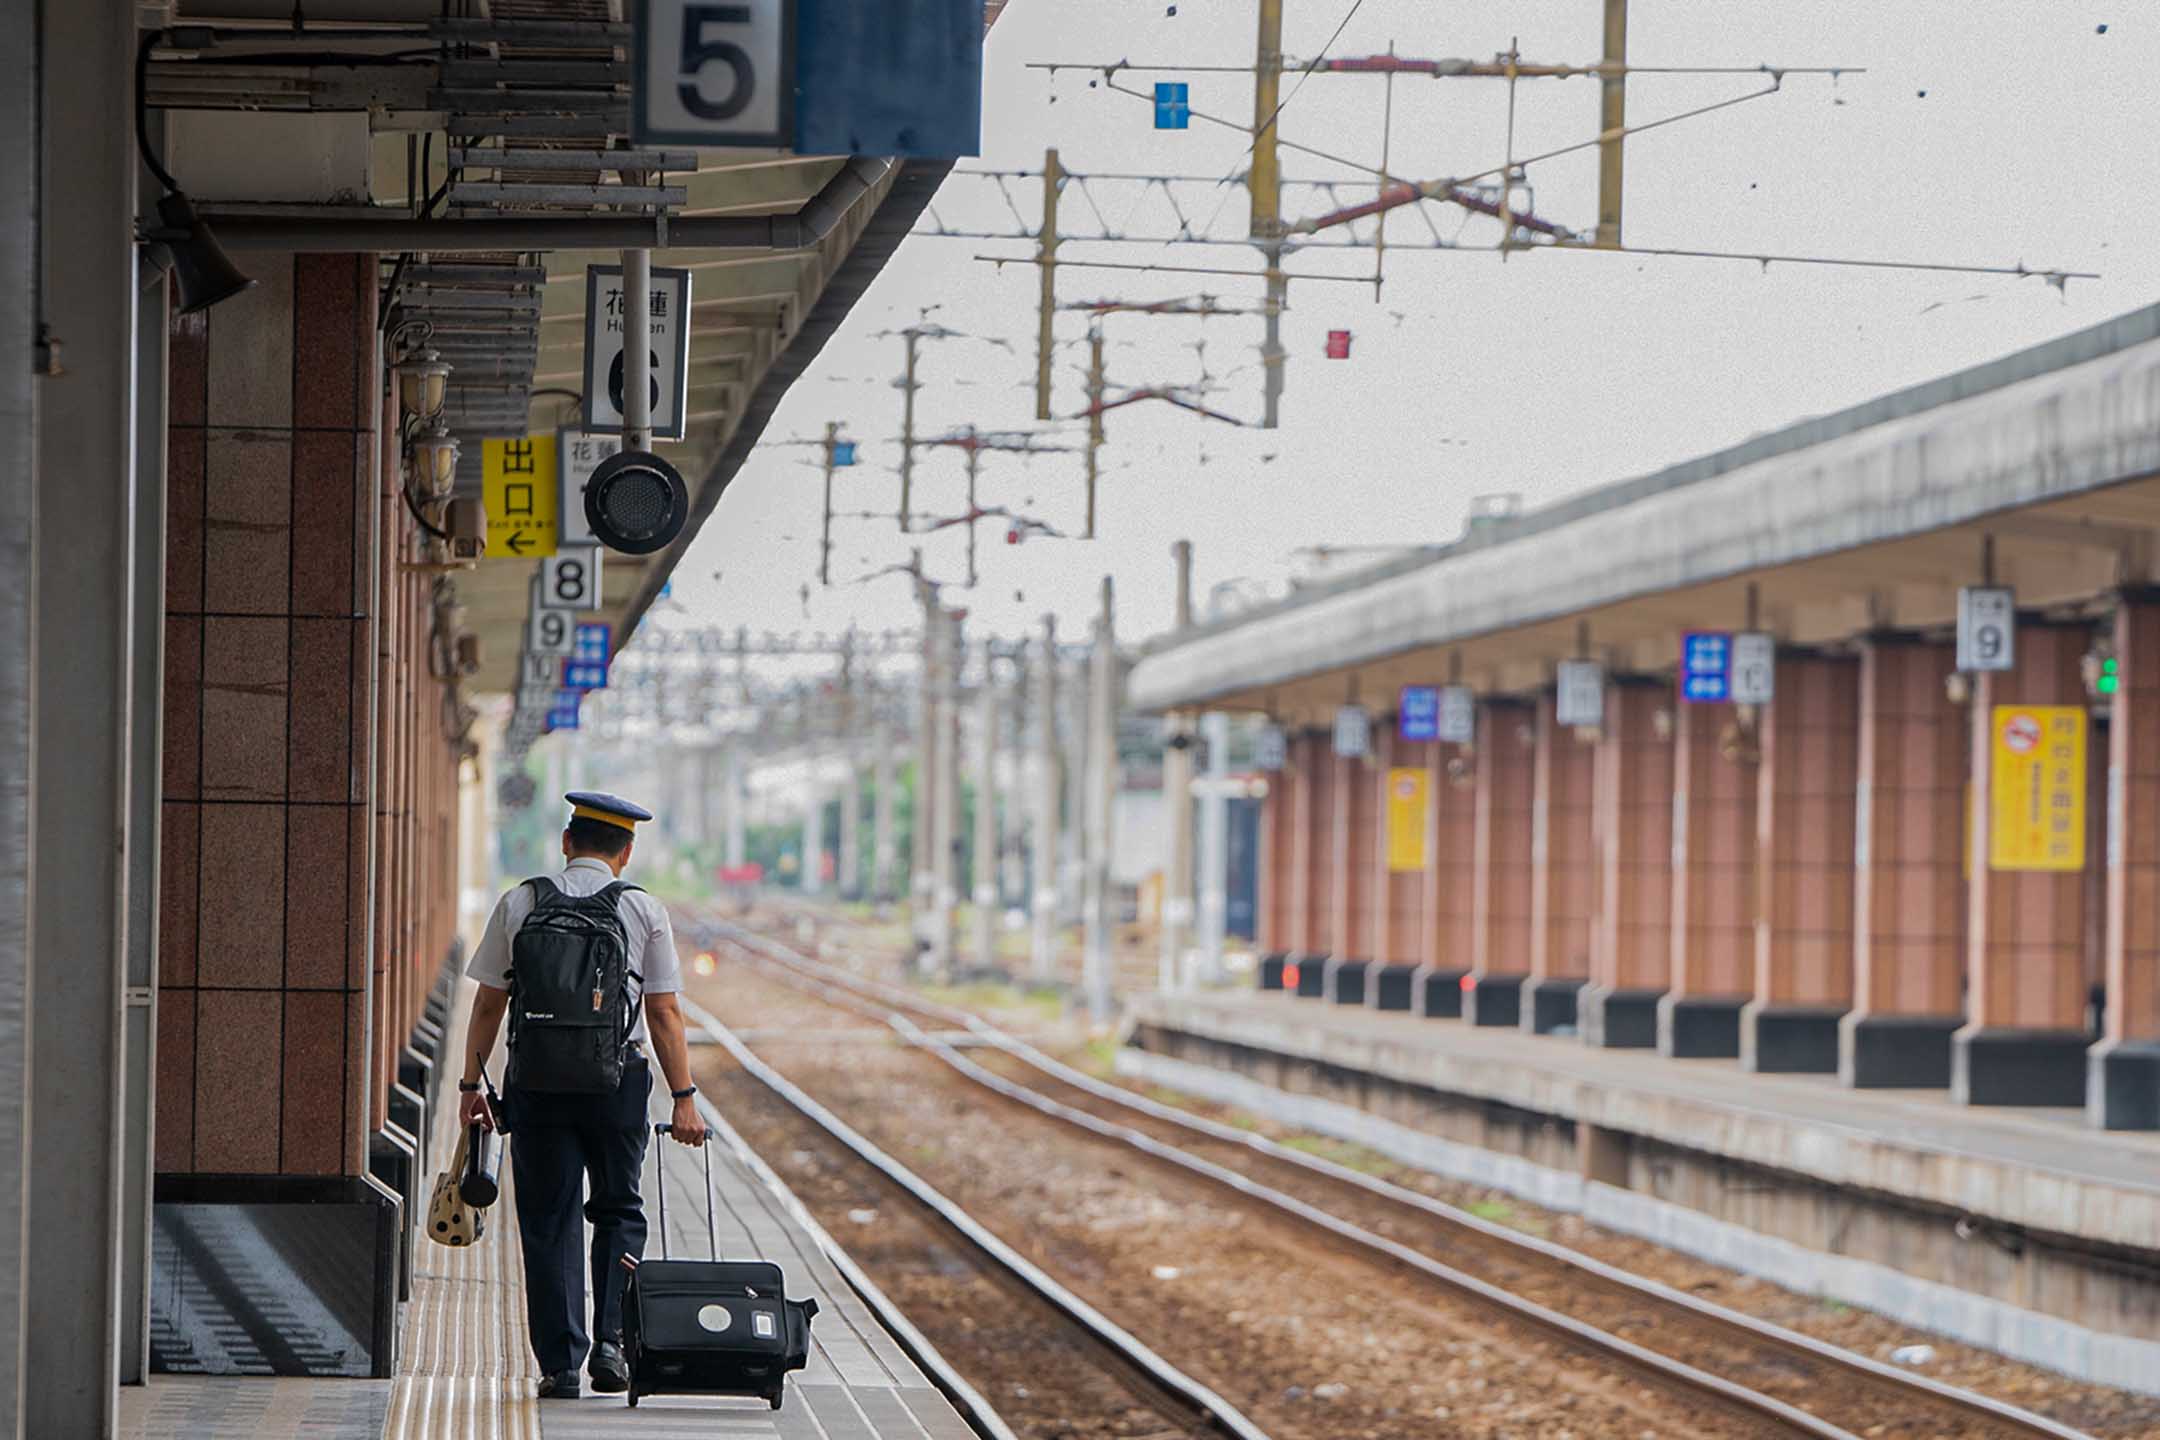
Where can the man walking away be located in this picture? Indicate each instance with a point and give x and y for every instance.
(585, 967)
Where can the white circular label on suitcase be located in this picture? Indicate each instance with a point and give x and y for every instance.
(714, 1318)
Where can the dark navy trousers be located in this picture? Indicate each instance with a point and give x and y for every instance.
(564, 1149)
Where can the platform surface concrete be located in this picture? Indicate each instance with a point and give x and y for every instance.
(464, 1369)
(2035, 1167)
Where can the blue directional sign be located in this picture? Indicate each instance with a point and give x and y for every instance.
(584, 675)
(595, 642)
(1706, 667)
(1173, 110)
(906, 82)
(563, 714)
(1417, 714)
(843, 453)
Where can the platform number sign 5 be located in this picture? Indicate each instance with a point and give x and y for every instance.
(714, 74)
(570, 580)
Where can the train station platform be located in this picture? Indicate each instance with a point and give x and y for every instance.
(2016, 1229)
(464, 1369)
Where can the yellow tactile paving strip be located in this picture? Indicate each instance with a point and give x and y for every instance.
(464, 1370)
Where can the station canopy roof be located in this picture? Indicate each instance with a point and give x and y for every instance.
(286, 144)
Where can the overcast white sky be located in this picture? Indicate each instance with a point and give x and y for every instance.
(1986, 132)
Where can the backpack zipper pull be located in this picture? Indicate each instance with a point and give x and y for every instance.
(596, 1002)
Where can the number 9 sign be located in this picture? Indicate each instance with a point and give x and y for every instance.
(570, 580)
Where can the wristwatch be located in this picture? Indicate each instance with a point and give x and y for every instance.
(683, 1094)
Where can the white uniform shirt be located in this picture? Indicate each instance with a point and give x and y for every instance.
(644, 921)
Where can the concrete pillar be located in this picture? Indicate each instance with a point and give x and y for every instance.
(944, 799)
(1564, 875)
(1102, 788)
(1804, 827)
(1447, 939)
(923, 882)
(1309, 855)
(2122, 1088)
(1713, 864)
(19, 245)
(1214, 861)
(1049, 788)
(1908, 871)
(1506, 788)
(848, 879)
(1631, 946)
(813, 830)
(78, 670)
(738, 800)
(1177, 885)
(885, 799)
(982, 878)
(2024, 1038)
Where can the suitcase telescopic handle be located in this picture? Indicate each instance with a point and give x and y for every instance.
(712, 1227)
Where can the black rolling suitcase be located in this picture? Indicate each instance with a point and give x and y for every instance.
(710, 1327)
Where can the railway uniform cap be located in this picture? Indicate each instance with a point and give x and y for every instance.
(605, 808)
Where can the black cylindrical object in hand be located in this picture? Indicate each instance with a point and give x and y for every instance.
(479, 1185)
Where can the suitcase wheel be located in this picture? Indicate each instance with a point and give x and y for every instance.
(774, 1397)
(633, 1399)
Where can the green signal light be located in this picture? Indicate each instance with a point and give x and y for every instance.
(2110, 676)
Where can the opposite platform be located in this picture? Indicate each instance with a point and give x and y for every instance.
(2038, 1168)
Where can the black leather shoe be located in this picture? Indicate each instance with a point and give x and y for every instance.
(561, 1386)
(609, 1370)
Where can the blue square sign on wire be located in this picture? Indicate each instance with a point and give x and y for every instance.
(1417, 714)
(584, 675)
(1173, 111)
(843, 453)
(594, 642)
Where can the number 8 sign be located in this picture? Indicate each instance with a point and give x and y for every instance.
(570, 580)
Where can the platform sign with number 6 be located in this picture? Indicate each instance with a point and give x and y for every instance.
(714, 74)
(570, 580)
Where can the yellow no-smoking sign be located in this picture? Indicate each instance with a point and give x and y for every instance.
(2036, 817)
(518, 483)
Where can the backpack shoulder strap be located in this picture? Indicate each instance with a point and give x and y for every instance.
(543, 889)
(616, 889)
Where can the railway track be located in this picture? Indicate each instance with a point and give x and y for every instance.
(1077, 1362)
(1789, 1381)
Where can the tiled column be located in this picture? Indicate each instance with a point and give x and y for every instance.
(1631, 947)
(1563, 873)
(1450, 881)
(1298, 934)
(1908, 880)
(1360, 817)
(1506, 778)
(265, 1074)
(1713, 908)
(2122, 1090)
(2024, 1038)
(1804, 827)
(1399, 921)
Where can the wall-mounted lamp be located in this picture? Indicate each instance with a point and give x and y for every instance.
(423, 383)
(1957, 687)
(434, 456)
(1661, 722)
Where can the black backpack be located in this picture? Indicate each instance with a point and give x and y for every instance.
(570, 993)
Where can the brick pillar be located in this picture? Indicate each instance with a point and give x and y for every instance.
(1564, 877)
(1271, 920)
(267, 1085)
(2122, 1090)
(2024, 1038)
(1450, 881)
(1399, 918)
(1713, 905)
(1804, 827)
(1631, 947)
(1298, 939)
(1360, 817)
(1908, 873)
(1506, 783)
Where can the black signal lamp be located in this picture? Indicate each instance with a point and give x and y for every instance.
(636, 502)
